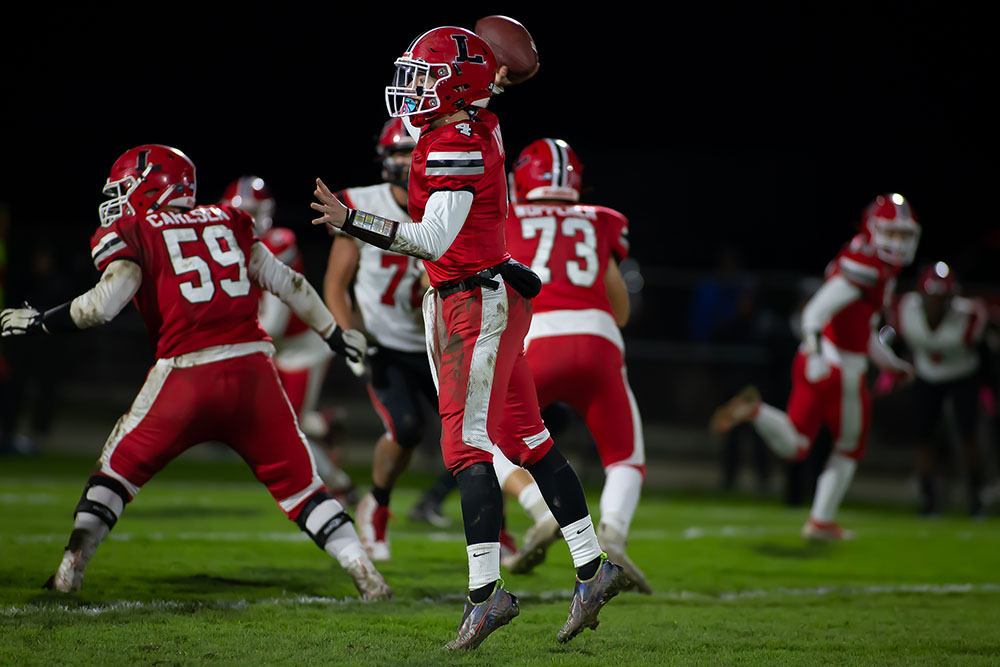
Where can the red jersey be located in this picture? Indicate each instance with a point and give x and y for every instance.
(466, 155)
(857, 262)
(569, 247)
(281, 242)
(196, 291)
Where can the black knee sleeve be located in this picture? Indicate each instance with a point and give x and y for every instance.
(409, 429)
(482, 503)
(99, 498)
(319, 517)
(560, 487)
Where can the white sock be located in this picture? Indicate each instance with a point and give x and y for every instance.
(620, 497)
(484, 564)
(582, 541)
(832, 486)
(96, 529)
(345, 546)
(533, 503)
(343, 543)
(778, 431)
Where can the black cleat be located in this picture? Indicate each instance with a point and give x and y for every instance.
(479, 620)
(589, 596)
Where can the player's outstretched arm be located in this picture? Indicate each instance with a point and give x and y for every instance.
(101, 304)
(290, 286)
(444, 215)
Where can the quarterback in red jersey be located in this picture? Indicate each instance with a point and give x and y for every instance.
(828, 375)
(388, 289)
(476, 315)
(575, 249)
(196, 273)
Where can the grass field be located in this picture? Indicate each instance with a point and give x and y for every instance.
(204, 569)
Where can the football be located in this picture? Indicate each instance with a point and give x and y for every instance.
(511, 43)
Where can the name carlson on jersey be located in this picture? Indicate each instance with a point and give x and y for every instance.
(192, 217)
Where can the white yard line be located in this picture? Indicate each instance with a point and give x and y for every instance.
(690, 533)
(100, 608)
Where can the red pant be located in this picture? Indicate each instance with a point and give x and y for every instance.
(486, 395)
(841, 401)
(588, 373)
(237, 401)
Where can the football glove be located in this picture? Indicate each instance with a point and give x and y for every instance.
(349, 343)
(20, 321)
(817, 368)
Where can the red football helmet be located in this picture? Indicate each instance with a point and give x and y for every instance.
(393, 148)
(938, 279)
(444, 70)
(146, 178)
(251, 194)
(546, 169)
(890, 225)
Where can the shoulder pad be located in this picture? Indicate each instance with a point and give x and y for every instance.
(108, 243)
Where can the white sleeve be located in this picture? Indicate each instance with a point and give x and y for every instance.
(291, 287)
(273, 315)
(118, 284)
(430, 238)
(829, 299)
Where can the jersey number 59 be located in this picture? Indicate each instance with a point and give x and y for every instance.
(210, 237)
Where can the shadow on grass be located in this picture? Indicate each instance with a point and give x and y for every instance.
(804, 551)
(189, 511)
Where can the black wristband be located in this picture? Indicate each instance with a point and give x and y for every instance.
(58, 319)
(370, 228)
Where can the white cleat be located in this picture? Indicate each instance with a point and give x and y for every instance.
(368, 580)
(69, 577)
(537, 541)
(826, 531)
(613, 542)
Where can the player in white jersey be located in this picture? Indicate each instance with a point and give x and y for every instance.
(388, 292)
(945, 332)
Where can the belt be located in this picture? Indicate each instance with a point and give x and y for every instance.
(481, 279)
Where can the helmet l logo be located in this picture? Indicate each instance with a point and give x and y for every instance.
(463, 51)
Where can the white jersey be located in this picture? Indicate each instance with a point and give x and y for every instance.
(387, 286)
(947, 352)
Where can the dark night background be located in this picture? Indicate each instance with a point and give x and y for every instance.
(741, 135)
(766, 127)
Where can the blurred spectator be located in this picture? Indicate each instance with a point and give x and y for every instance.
(725, 310)
(34, 371)
(945, 332)
(722, 301)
